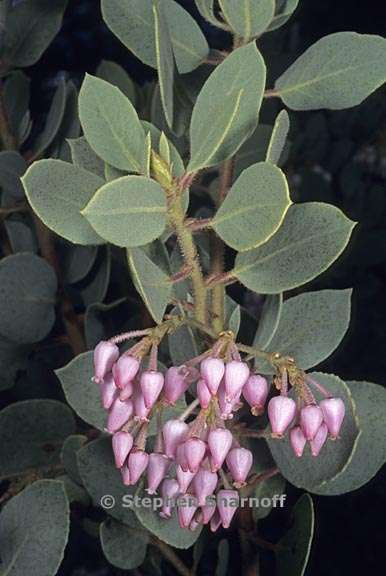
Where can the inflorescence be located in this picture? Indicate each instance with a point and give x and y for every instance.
(199, 454)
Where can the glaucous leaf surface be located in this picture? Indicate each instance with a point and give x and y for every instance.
(77, 262)
(207, 11)
(226, 111)
(283, 12)
(111, 125)
(311, 237)
(83, 156)
(100, 478)
(27, 298)
(278, 138)
(254, 149)
(294, 548)
(32, 433)
(338, 71)
(369, 452)
(268, 321)
(132, 21)
(254, 207)
(68, 455)
(124, 547)
(114, 74)
(34, 528)
(82, 394)
(165, 61)
(12, 168)
(57, 191)
(129, 211)
(93, 288)
(53, 122)
(312, 325)
(31, 26)
(248, 18)
(151, 282)
(309, 472)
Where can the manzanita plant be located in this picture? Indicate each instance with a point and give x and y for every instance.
(179, 184)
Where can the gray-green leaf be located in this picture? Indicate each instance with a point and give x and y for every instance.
(254, 208)
(283, 12)
(133, 23)
(84, 157)
(278, 138)
(129, 211)
(293, 550)
(165, 61)
(114, 74)
(123, 546)
(27, 298)
(81, 393)
(338, 71)
(152, 283)
(311, 237)
(111, 125)
(226, 110)
(248, 18)
(34, 528)
(269, 320)
(32, 433)
(58, 191)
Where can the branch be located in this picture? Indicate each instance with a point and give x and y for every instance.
(171, 556)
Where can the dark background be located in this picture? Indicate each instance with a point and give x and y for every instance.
(350, 530)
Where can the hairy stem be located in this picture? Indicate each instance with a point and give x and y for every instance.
(190, 254)
(172, 557)
(218, 251)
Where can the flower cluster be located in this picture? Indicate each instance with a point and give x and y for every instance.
(198, 455)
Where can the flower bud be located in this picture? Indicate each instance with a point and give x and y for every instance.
(239, 462)
(157, 468)
(140, 410)
(184, 478)
(206, 512)
(319, 439)
(204, 484)
(174, 433)
(186, 509)
(176, 383)
(281, 412)
(137, 464)
(125, 475)
(297, 440)
(212, 371)
(109, 391)
(122, 444)
(255, 392)
(311, 417)
(227, 504)
(125, 370)
(127, 391)
(193, 525)
(203, 394)
(333, 413)
(219, 442)
(236, 375)
(119, 414)
(215, 521)
(194, 449)
(181, 457)
(105, 355)
(226, 406)
(151, 385)
(169, 491)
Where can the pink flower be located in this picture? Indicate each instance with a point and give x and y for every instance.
(177, 381)
(297, 440)
(157, 468)
(151, 385)
(122, 444)
(311, 418)
(137, 464)
(333, 413)
(105, 355)
(236, 375)
(204, 484)
(120, 413)
(219, 442)
(125, 370)
(212, 371)
(186, 509)
(227, 504)
(255, 392)
(174, 433)
(319, 439)
(281, 412)
(194, 449)
(239, 462)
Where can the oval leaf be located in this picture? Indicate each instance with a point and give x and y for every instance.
(254, 207)
(226, 111)
(34, 528)
(111, 125)
(114, 74)
(123, 547)
(57, 192)
(312, 325)
(338, 71)
(311, 237)
(165, 61)
(278, 138)
(248, 18)
(84, 157)
(32, 433)
(269, 321)
(132, 22)
(283, 12)
(129, 211)
(82, 394)
(370, 450)
(27, 298)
